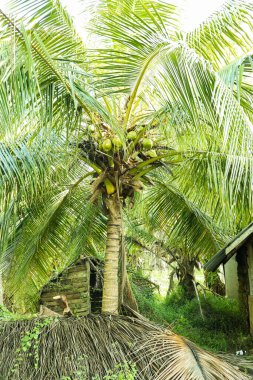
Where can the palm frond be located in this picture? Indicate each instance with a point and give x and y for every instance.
(226, 34)
(215, 173)
(136, 33)
(59, 227)
(210, 111)
(55, 54)
(238, 77)
(68, 347)
(174, 357)
(183, 223)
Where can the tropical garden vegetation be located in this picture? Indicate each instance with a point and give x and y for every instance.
(142, 144)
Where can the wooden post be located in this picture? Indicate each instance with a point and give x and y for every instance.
(250, 276)
(243, 277)
(251, 314)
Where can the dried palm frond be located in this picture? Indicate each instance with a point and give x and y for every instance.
(93, 345)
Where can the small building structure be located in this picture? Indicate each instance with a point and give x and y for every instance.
(79, 286)
(237, 260)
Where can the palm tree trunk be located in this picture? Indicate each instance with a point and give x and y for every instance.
(128, 295)
(110, 299)
(1, 290)
(185, 275)
(171, 282)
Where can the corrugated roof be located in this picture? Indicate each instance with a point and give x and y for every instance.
(229, 250)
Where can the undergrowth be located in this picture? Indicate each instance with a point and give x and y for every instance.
(221, 330)
(122, 371)
(6, 315)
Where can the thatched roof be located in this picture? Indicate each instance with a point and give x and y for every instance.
(223, 256)
(95, 344)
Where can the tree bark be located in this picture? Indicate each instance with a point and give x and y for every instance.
(187, 285)
(171, 282)
(1, 290)
(110, 299)
(214, 283)
(185, 275)
(128, 295)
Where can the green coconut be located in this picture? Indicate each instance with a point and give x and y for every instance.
(116, 142)
(147, 143)
(151, 153)
(131, 135)
(107, 145)
(91, 128)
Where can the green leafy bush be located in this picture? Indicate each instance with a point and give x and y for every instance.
(221, 330)
(6, 315)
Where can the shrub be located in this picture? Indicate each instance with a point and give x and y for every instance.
(223, 327)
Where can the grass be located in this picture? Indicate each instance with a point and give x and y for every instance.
(221, 330)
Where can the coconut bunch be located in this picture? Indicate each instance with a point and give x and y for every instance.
(109, 142)
(124, 156)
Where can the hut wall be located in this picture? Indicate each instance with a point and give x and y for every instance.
(74, 283)
(231, 278)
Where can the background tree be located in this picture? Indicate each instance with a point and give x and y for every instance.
(171, 227)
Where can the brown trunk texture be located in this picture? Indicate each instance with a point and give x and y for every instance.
(1, 290)
(110, 299)
(185, 275)
(128, 295)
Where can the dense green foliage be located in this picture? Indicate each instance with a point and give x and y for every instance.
(222, 329)
(148, 79)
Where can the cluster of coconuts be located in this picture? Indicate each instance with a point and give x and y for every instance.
(146, 143)
(115, 143)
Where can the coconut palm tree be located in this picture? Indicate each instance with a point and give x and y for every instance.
(84, 130)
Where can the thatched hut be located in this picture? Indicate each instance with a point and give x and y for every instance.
(237, 260)
(76, 290)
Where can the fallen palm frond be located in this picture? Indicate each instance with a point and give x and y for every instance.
(82, 348)
(244, 363)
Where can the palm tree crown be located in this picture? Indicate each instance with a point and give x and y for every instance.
(154, 110)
